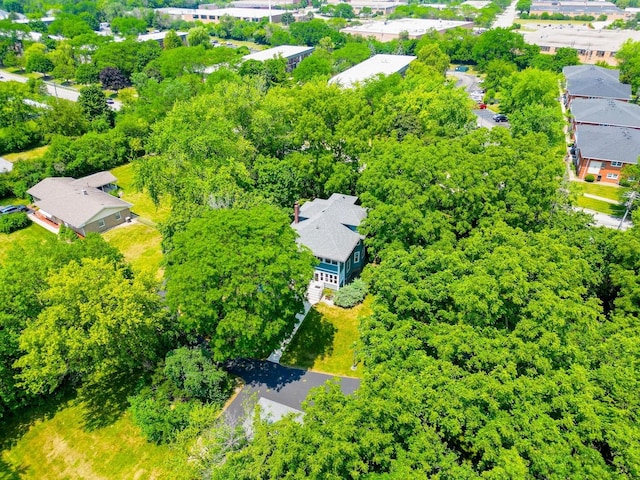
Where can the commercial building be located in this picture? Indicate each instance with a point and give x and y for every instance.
(291, 53)
(159, 37)
(214, 16)
(578, 8)
(591, 45)
(376, 65)
(410, 28)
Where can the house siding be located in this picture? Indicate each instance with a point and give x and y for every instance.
(582, 169)
(110, 221)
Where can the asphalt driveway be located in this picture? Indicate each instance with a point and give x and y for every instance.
(285, 385)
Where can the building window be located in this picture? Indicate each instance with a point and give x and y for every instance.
(101, 222)
(616, 164)
(118, 216)
(545, 49)
(356, 257)
(600, 53)
(612, 176)
(349, 261)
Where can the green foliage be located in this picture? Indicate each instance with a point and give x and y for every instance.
(14, 221)
(96, 321)
(628, 57)
(128, 25)
(351, 294)
(590, 178)
(93, 103)
(243, 315)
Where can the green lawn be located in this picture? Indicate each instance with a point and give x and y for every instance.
(325, 339)
(26, 155)
(31, 232)
(140, 245)
(142, 204)
(59, 446)
(601, 190)
(600, 206)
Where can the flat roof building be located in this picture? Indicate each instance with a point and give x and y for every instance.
(159, 36)
(378, 64)
(413, 28)
(214, 16)
(577, 8)
(591, 45)
(291, 53)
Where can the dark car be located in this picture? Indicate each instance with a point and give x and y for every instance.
(500, 117)
(110, 101)
(13, 209)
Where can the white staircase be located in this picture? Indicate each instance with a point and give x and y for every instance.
(314, 292)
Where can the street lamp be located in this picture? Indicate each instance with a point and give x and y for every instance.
(631, 196)
(354, 365)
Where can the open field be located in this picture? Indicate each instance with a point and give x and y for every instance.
(31, 232)
(26, 155)
(58, 445)
(600, 190)
(140, 245)
(600, 206)
(325, 339)
(142, 204)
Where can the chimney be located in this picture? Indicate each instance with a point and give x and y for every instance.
(296, 212)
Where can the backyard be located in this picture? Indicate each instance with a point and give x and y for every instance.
(325, 340)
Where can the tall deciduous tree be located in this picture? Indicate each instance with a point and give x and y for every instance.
(97, 321)
(237, 277)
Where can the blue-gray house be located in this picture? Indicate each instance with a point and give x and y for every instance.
(329, 228)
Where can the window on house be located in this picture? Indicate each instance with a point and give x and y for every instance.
(616, 164)
(356, 257)
(101, 223)
(348, 264)
(118, 216)
(612, 176)
(600, 53)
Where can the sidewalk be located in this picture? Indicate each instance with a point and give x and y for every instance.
(276, 355)
(602, 199)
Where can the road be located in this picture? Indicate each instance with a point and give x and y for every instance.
(288, 386)
(53, 89)
(471, 84)
(604, 220)
(506, 18)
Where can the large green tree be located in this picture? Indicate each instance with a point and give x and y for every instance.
(237, 278)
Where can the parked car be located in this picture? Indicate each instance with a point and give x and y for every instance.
(110, 101)
(13, 209)
(482, 106)
(461, 68)
(500, 117)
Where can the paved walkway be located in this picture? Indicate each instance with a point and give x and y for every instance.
(603, 220)
(284, 385)
(276, 355)
(602, 199)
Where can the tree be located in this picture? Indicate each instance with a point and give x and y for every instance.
(113, 79)
(523, 6)
(93, 103)
(97, 321)
(128, 25)
(315, 65)
(198, 36)
(244, 294)
(36, 60)
(287, 18)
(432, 56)
(64, 118)
(87, 73)
(628, 57)
(171, 40)
(63, 61)
(530, 87)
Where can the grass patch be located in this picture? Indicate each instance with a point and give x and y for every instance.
(601, 206)
(26, 155)
(142, 204)
(325, 339)
(32, 232)
(56, 446)
(140, 245)
(600, 190)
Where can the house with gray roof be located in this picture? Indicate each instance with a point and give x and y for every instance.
(81, 204)
(605, 112)
(5, 165)
(604, 151)
(329, 228)
(591, 81)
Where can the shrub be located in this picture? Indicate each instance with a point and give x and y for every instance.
(589, 178)
(13, 221)
(351, 295)
(159, 420)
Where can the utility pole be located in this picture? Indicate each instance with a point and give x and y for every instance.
(631, 196)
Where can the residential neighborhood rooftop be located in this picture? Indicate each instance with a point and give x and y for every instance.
(596, 82)
(605, 111)
(323, 226)
(378, 64)
(284, 51)
(616, 144)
